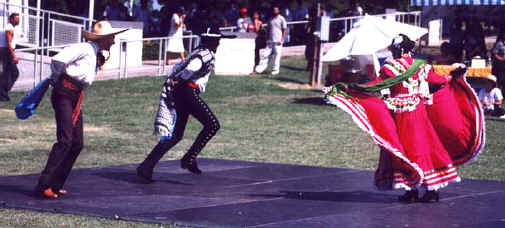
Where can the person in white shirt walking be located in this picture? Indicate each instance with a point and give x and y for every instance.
(8, 58)
(491, 98)
(73, 69)
(277, 32)
(175, 42)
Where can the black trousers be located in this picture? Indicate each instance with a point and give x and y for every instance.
(9, 75)
(69, 140)
(187, 102)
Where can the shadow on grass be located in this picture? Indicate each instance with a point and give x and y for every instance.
(284, 79)
(351, 196)
(293, 68)
(309, 100)
(131, 177)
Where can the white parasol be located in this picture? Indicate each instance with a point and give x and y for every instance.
(370, 35)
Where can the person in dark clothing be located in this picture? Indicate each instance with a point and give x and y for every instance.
(261, 36)
(8, 58)
(179, 99)
(474, 43)
(498, 60)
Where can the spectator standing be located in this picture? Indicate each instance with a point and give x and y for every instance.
(175, 43)
(244, 21)
(356, 11)
(261, 36)
(301, 14)
(456, 37)
(191, 16)
(474, 43)
(8, 58)
(156, 23)
(165, 13)
(301, 11)
(309, 43)
(198, 23)
(288, 15)
(115, 11)
(276, 34)
(257, 23)
(143, 14)
(231, 14)
(193, 10)
(491, 98)
(446, 56)
(498, 60)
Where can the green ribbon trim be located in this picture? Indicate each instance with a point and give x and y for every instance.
(341, 87)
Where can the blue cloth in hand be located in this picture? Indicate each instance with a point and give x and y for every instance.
(27, 105)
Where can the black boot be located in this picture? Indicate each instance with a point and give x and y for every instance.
(145, 169)
(145, 174)
(430, 197)
(189, 162)
(411, 196)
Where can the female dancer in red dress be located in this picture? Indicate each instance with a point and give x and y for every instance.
(423, 135)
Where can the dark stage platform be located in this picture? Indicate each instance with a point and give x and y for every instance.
(239, 194)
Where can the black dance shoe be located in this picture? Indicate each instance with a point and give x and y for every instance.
(144, 176)
(411, 196)
(189, 162)
(430, 197)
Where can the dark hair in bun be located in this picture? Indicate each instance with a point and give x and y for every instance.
(401, 44)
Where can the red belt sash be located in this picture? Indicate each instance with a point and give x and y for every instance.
(193, 85)
(69, 84)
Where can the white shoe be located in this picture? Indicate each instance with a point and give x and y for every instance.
(502, 117)
(259, 69)
(275, 72)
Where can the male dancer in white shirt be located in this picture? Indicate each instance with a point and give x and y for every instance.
(73, 70)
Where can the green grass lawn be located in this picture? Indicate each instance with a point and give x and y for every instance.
(260, 121)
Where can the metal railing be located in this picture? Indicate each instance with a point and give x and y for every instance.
(39, 57)
(342, 25)
(161, 42)
(39, 24)
(154, 62)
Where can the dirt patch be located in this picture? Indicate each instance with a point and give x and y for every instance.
(7, 140)
(88, 128)
(5, 112)
(291, 85)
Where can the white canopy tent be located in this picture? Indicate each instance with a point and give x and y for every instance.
(370, 35)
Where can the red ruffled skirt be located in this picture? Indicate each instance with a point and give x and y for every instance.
(421, 147)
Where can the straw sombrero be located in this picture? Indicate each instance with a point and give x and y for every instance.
(101, 30)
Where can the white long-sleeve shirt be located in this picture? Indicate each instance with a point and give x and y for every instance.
(77, 61)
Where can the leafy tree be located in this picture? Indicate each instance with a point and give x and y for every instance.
(370, 6)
